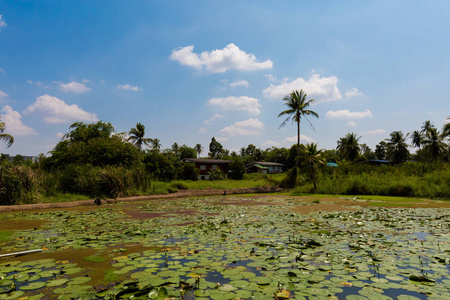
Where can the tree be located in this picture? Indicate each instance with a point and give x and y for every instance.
(427, 125)
(446, 129)
(417, 138)
(434, 146)
(297, 108)
(199, 149)
(175, 149)
(215, 149)
(137, 136)
(349, 147)
(380, 150)
(7, 138)
(156, 144)
(397, 148)
(312, 158)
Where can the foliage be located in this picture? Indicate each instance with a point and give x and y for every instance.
(311, 157)
(9, 139)
(291, 179)
(297, 108)
(397, 149)
(187, 171)
(19, 184)
(349, 147)
(216, 149)
(237, 169)
(137, 136)
(217, 174)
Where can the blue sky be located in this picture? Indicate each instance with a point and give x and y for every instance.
(191, 70)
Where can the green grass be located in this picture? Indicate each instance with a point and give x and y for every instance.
(391, 198)
(5, 236)
(60, 197)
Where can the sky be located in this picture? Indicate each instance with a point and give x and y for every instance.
(193, 70)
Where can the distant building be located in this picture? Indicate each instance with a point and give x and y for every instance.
(264, 167)
(207, 165)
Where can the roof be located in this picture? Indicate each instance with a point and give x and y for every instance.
(259, 166)
(264, 163)
(332, 164)
(206, 161)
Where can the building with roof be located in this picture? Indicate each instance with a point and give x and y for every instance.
(207, 165)
(264, 167)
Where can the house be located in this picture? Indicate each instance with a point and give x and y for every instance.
(264, 167)
(207, 165)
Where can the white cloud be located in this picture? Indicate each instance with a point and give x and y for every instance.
(222, 139)
(3, 95)
(353, 92)
(303, 139)
(203, 130)
(73, 87)
(270, 143)
(271, 77)
(2, 22)
(346, 114)
(129, 87)
(239, 83)
(242, 103)
(56, 110)
(216, 116)
(375, 131)
(219, 60)
(351, 123)
(13, 122)
(247, 127)
(321, 89)
(60, 135)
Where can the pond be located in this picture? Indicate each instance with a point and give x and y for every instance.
(227, 248)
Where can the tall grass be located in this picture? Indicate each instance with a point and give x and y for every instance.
(409, 180)
(19, 184)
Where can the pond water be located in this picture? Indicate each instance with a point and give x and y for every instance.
(256, 251)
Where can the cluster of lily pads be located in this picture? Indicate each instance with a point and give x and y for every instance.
(212, 248)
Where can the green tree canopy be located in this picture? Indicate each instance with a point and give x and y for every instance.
(397, 148)
(349, 147)
(137, 136)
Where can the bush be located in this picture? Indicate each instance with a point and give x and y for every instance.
(19, 184)
(401, 190)
(291, 180)
(187, 171)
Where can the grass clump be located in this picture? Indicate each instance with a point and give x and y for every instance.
(110, 276)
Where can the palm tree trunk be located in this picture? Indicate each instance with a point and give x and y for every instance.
(298, 140)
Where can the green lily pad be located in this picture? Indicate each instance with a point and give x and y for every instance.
(33, 286)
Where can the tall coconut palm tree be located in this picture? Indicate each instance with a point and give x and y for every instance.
(156, 144)
(349, 147)
(297, 108)
(427, 125)
(434, 145)
(137, 136)
(312, 158)
(446, 128)
(397, 148)
(9, 139)
(417, 139)
(199, 149)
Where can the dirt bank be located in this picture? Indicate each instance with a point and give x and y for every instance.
(180, 194)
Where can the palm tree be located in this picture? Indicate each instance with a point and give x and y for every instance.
(397, 148)
(434, 145)
(349, 147)
(446, 129)
(297, 108)
(427, 125)
(311, 158)
(199, 149)
(137, 136)
(9, 139)
(175, 148)
(417, 139)
(156, 144)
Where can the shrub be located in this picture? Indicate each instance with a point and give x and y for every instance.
(401, 190)
(291, 180)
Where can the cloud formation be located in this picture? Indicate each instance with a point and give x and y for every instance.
(375, 131)
(239, 83)
(346, 114)
(247, 127)
(129, 87)
(303, 139)
(13, 122)
(73, 87)
(3, 95)
(321, 89)
(219, 60)
(243, 103)
(216, 116)
(2, 22)
(56, 110)
(353, 92)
